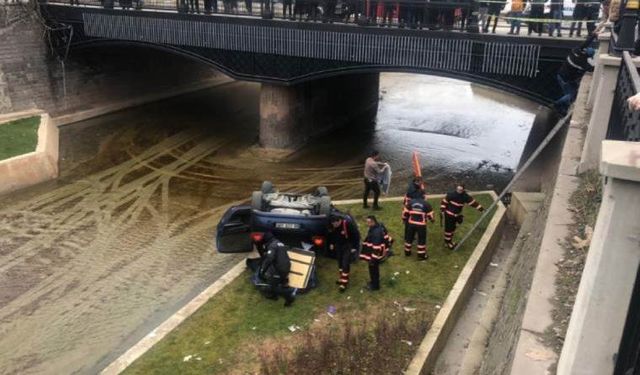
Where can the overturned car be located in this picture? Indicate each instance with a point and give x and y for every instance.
(298, 220)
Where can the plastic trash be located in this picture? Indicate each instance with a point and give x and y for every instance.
(331, 310)
(187, 358)
(409, 309)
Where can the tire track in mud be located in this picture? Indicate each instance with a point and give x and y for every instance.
(88, 265)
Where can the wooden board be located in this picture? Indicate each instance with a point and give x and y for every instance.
(302, 262)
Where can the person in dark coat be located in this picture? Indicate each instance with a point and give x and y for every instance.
(495, 7)
(451, 209)
(415, 215)
(344, 241)
(556, 14)
(274, 269)
(578, 62)
(374, 248)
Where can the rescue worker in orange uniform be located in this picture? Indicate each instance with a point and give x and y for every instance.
(374, 249)
(344, 240)
(451, 209)
(415, 215)
(415, 190)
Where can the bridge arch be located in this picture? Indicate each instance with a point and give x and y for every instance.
(218, 62)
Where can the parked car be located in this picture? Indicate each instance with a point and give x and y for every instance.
(295, 219)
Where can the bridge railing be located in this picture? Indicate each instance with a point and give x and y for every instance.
(624, 123)
(459, 15)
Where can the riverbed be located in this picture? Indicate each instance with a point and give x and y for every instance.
(92, 262)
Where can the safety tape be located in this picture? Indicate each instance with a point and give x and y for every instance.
(544, 20)
(552, 2)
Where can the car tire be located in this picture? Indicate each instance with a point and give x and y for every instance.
(256, 200)
(322, 191)
(324, 205)
(267, 187)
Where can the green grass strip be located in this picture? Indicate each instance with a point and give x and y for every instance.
(226, 331)
(18, 137)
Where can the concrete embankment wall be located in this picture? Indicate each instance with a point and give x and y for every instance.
(34, 167)
(30, 77)
(543, 177)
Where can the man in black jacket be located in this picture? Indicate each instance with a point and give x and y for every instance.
(451, 209)
(415, 215)
(344, 240)
(574, 67)
(374, 248)
(275, 268)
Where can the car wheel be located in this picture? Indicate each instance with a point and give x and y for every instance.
(325, 205)
(256, 200)
(267, 187)
(322, 191)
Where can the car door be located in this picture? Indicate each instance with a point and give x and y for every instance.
(234, 230)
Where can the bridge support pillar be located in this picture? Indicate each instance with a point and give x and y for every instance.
(611, 269)
(602, 102)
(292, 115)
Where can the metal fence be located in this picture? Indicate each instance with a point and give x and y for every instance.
(624, 123)
(452, 15)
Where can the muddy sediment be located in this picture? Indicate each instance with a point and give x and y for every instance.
(91, 262)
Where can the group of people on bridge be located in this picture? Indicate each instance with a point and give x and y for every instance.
(465, 15)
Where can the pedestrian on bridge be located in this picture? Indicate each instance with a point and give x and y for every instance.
(495, 7)
(517, 9)
(329, 10)
(483, 10)
(557, 8)
(536, 16)
(287, 6)
(585, 10)
(194, 6)
(211, 6)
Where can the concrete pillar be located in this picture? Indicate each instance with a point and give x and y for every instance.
(603, 49)
(600, 310)
(292, 115)
(599, 123)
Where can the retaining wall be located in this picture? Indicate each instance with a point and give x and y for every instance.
(31, 77)
(34, 167)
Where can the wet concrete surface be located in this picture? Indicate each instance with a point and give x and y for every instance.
(92, 262)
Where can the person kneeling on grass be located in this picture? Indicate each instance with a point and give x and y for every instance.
(374, 249)
(275, 268)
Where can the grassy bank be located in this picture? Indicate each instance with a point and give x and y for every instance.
(585, 204)
(18, 137)
(239, 331)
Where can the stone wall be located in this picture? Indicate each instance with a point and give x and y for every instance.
(30, 77)
(292, 115)
(34, 167)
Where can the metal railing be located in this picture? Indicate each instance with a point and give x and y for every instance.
(450, 15)
(624, 123)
